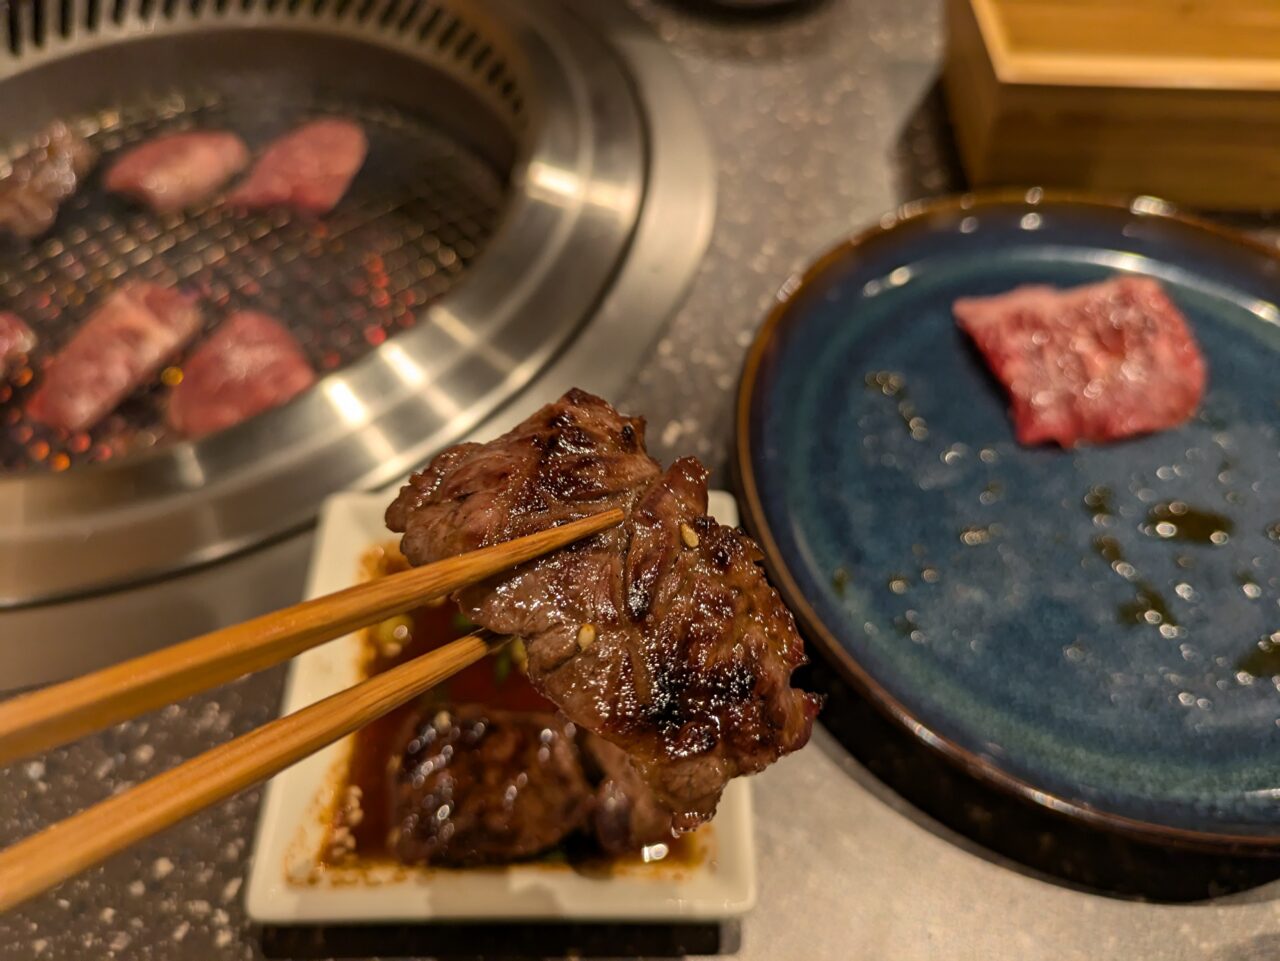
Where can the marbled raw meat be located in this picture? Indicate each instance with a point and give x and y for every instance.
(178, 170)
(1090, 364)
(250, 364)
(42, 179)
(17, 340)
(122, 345)
(308, 169)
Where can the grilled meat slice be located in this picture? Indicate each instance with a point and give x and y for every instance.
(1095, 363)
(627, 815)
(477, 785)
(42, 179)
(308, 169)
(178, 170)
(248, 365)
(121, 346)
(661, 635)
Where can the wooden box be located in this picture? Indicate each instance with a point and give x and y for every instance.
(1177, 98)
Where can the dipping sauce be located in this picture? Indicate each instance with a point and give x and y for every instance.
(361, 823)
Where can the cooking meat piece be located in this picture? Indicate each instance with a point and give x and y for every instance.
(661, 635)
(627, 815)
(477, 785)
(42, 179)
(178, 170)
(119, 348)
(248, 365)
(16, 341)
(1094, 363)
(308, 169)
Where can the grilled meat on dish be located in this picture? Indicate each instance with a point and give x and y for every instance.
(661, 635)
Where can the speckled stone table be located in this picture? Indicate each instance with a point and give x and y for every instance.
(868, 848)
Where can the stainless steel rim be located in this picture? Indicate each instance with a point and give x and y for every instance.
(578, 183)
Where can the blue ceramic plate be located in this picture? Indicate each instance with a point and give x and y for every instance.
(1092, 628)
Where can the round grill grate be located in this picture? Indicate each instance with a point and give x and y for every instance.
(419, 212)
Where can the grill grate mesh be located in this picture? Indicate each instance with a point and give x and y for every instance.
(419, 212)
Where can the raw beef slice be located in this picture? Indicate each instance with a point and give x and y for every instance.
(42, 179)
(308, 169)
(178, 170)
(1090, 364)
(248, 365)
(17, 340)
(125, 341)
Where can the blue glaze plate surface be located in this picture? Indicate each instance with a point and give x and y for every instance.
(1045, 617)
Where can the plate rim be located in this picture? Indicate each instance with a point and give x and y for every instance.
(987, 771)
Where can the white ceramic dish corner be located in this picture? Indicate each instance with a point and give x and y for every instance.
(285, 886)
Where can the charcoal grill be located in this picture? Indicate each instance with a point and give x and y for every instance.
(525, 221)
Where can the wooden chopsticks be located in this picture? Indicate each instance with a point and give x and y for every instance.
(60, 713)
(56, 714)
(84, 839)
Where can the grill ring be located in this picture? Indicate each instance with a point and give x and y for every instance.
(522, 88)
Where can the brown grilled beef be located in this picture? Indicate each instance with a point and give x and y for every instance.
(661, 635)
(477, 785)
(627, 815)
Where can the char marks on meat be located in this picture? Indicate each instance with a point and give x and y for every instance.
(661, 635)
(122, 345)
(477, 785)
(308, 169)
(1095, 363)
(178, 170)
(250, 364)
(17, 340)
(42, 179)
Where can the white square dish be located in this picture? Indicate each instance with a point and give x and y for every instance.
(286, 885)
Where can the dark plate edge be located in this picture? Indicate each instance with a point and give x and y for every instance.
(817, 633)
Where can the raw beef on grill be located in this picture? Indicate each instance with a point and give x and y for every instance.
(479, 785)
(308, 169)
(17, 340)
(120, 347)
(248, 365)
(1094, 363)
(178, 170)
(661, 635)
(627, 815)
(42, 179)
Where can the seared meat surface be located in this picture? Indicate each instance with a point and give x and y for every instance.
(661, 635)
(122, 345)
(42, 179)
(627, 815)
(477, 785)
(1095, 363)
(178, 170)
(308, 169)
(250, 364)
(16, 341)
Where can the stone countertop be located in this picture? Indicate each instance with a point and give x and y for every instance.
(868, 847)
